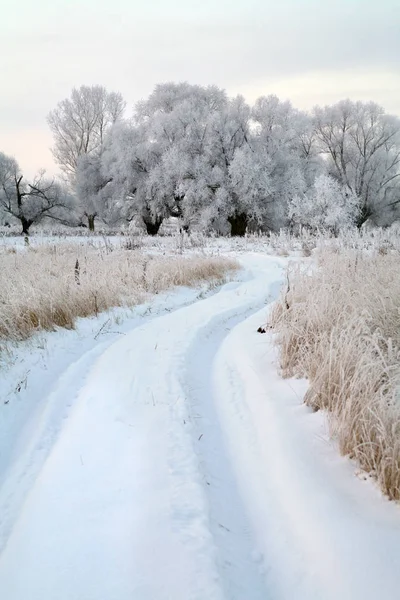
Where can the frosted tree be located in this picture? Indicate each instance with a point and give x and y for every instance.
(251, 185)
(79, 124)
(167, 97)
(154, 160)
(91, 188)
(128, 159)
(362, 148)
(329, 205)
(258, 192)
(305, 144)
(30, 203)
(207, 186)
(281, 164)
(192, 153)
(219, 162)
(177, 117)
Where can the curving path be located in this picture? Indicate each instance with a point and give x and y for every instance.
(185, 469)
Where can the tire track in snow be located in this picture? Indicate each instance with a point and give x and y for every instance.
(34, 440)
(239, 561)
(323, 534)
(121, 509)
(48, 426)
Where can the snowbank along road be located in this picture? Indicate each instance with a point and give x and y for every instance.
(179, 466)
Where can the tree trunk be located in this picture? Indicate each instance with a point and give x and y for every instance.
(152, 226)
(26, 223)
(91, 219)
(238, 223)
(364, 214)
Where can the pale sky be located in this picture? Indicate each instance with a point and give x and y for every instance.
(310, 51)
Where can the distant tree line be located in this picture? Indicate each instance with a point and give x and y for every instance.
(213, 162)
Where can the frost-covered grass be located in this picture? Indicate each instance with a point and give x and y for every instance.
(50, 286)
(339, 326)
(305, 243)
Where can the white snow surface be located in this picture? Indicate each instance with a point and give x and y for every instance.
(173, 463)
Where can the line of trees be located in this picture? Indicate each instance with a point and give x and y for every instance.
(214, 162)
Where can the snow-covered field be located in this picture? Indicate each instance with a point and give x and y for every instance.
(282, 243)
(163, 458)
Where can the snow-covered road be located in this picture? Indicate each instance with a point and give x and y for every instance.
(181, 467)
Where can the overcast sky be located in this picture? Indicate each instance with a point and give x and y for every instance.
(311, 51)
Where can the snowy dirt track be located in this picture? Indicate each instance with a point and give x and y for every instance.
(186, 469)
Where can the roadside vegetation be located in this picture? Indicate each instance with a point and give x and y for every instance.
(52, 285)
(337, 323)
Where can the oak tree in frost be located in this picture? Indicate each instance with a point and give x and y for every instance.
(329, 205)
(30, 203)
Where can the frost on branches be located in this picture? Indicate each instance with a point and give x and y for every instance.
(218, 164)
(361, 145)
(30, 202)
(327, 206)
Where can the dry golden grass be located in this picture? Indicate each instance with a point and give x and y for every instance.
(50, 286)
(339, 326)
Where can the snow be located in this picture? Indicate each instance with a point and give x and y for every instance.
(172, 462)
(322, 533)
